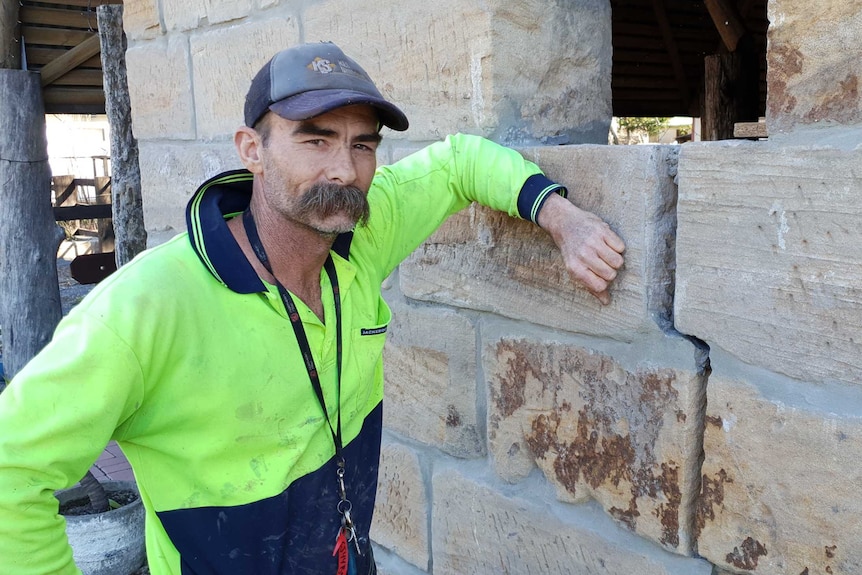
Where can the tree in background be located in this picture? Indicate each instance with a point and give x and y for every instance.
(636, 127)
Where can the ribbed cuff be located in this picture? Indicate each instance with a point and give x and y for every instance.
(533, 194)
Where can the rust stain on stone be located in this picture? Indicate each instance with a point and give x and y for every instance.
(627, 517)
(714, 421)
(839, 104)
(747, 555)
(591, 458)
(711, 495)
(830, 551)
(512, 382)
(785, 62)
(453, 418)
(668, 513)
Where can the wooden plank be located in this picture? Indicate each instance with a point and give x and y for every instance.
(39, 16)
(750, 130)
(82, 212)
(64, 187)
(672, 50)
(40, 56)
(727, 21)
(79, 77)
(73, 96)
(54, 36)
(68, 61)
(642, 82)
(79, 3)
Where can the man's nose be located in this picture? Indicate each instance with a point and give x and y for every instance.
(341, 168)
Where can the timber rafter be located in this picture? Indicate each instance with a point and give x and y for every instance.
(61, 41)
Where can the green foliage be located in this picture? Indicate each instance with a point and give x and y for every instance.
(651, 126)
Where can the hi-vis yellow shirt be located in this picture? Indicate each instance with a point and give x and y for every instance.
(187, 359)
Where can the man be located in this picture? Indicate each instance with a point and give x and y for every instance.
(239, 365)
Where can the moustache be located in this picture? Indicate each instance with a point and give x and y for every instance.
(326, 198)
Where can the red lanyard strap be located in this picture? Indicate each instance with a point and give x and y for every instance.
(301, 339)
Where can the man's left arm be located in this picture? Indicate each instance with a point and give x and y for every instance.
(591, 251)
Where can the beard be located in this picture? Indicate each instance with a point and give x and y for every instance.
(323, 200)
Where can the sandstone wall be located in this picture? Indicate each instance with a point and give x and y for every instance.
(710, 419)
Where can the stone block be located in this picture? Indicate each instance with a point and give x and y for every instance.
(813, 66)
(768, 260)
(477, 78)
(163, 109)
(187, 15)
(226, 10)
(224, 61)
(477, 530)
(484, 260)
(430, 392)
(628, 437)
(401, 518)
(781, 477)
(170, 174)
(141, 19)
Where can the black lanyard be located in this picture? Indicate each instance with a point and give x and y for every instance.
(301, 339)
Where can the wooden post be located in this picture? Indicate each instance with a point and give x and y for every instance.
(731, 90)
(29, 237)
(10, 39)
(130, 235)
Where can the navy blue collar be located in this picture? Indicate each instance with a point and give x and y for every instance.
(224, 194)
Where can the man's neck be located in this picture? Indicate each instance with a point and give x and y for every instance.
(296, 254)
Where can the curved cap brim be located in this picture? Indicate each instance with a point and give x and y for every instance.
(316, 102)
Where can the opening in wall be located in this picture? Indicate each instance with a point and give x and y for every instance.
(704, 59)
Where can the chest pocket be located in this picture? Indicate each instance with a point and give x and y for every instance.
(366, 355)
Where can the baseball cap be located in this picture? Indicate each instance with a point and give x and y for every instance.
(307, 80)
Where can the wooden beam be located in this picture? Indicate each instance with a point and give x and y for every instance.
(71, 97)
(54, 36)
(82, 212)
(39, 16)
(673, 52)
(78, 3)
(70, 60)
(727, 21)
(750, 130)
(79, 77)
(42, 56)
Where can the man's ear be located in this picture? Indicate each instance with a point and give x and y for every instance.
(248, 145)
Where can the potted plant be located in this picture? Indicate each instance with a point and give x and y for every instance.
(105, 525)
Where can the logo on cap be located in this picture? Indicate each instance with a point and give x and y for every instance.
(320, 65)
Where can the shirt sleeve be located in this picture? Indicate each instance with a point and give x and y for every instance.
(413, 196)
(56, 416)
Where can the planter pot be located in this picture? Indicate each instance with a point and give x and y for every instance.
(110, 543)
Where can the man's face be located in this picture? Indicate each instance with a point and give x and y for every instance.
(317, 172)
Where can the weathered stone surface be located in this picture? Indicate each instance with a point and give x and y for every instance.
(224, 61)
(768, 260)
(451, 77)
(401, 514)
(186, 15)
(141, 19)
(813, 65)
(430, 392)
(163, 109)
(170, 174)
(628, 438)
(226, 10)
(476, 530)
(485, 260)
(781, 477)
